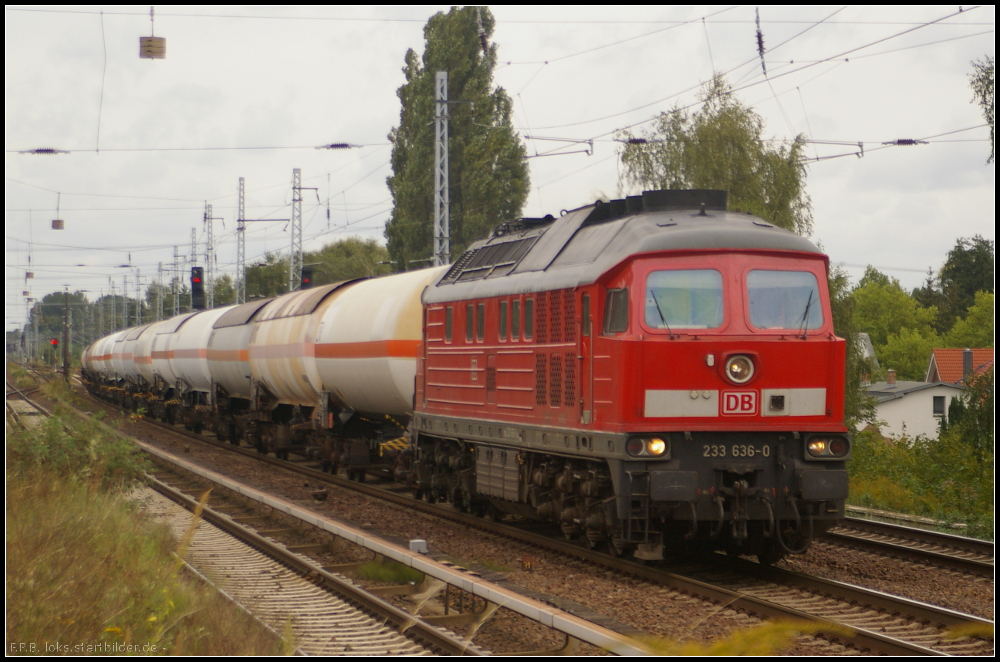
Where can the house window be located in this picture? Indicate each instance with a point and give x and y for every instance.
(939, 405)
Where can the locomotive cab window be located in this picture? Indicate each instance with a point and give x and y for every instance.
(448, 317)
(616, 312)
(503, 320)
(515, 319)
(784, 300)
(468, 323)
(684, 299)
(481, 322)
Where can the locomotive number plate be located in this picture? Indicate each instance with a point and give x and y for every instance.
(735, 450)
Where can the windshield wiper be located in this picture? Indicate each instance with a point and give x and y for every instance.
(660, 311)
(804, 324)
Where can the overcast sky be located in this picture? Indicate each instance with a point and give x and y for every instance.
(296, 78)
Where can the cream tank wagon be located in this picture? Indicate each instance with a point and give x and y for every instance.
(328, 370)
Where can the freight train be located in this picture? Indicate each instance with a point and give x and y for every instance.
(647, 373)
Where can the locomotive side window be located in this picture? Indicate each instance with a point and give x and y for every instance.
(481, 322)
(616, 311)
(468, 323)
(784, 300)
(586, 314)
(448, 315)
(515, 320)
(503, 320)
(529, 319)
(684, 299)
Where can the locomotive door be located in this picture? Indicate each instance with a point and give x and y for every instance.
(585, 360)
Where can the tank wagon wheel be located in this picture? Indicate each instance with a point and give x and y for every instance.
(418, 494)
(430, 496)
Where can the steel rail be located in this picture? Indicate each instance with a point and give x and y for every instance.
(960, 553)
(434, 638)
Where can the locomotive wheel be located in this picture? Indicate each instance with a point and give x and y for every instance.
(617, 545)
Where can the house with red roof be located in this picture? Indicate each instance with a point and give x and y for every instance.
(954, 366)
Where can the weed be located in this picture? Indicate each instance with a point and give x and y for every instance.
(767, 639)
(390, 572)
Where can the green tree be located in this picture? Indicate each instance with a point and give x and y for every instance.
(908, 352)
(976, 330)
(858, 406)
(225, 291)
(884, 308)
(982, 79)
(488, 172)
(968, 269)
(720, 146)
(349, 258)
(268, 277)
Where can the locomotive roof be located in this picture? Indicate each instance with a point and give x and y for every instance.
(536, 255)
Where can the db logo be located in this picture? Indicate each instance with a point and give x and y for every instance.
(739, 403)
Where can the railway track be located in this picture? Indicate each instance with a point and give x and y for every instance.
(882, 623)
(325, 613)
(943, 550)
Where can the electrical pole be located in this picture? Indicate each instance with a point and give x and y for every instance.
(125, 301)
(66, 335)
(159, 291)
(241, 247)
(174, 290)
(442, 204)
(209, 258)
(295, 255)
(138, 299)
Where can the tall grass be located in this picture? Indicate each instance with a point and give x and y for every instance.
(940, 478)
(86, 573)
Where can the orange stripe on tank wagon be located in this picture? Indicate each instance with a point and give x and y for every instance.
(373, 349)
(188, 353)
(228, 355)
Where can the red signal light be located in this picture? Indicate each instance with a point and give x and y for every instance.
(54, 341)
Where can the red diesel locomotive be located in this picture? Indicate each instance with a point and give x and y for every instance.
(643, 372)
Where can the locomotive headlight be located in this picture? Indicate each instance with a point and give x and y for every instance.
(647, 447)
(817, 447)
(739, 369)
(828, 447)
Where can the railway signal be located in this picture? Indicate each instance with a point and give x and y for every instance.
(198, 288)
(307, 278)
